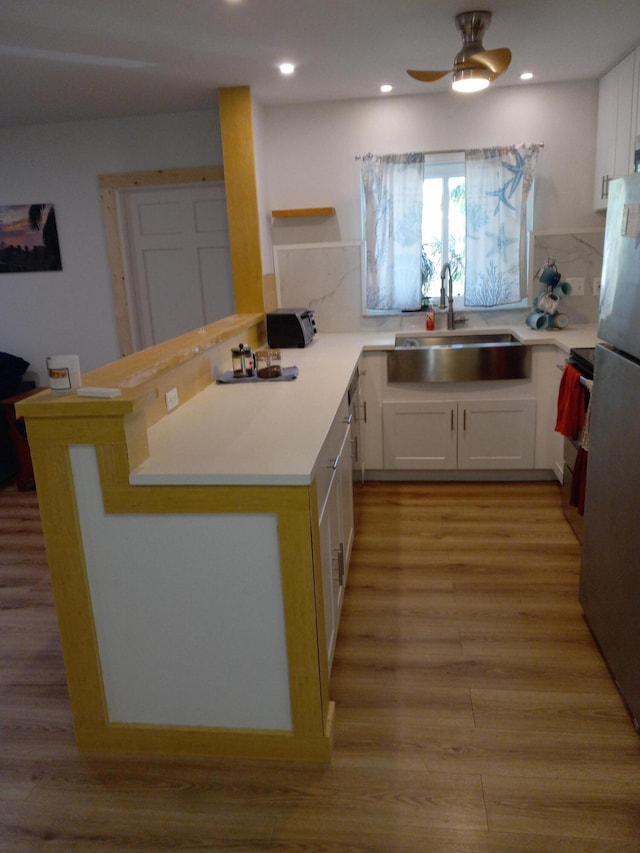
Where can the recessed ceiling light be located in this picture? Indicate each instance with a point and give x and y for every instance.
(526, 75)
(287, 68)
(386, 88)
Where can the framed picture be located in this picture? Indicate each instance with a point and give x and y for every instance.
(29, 239)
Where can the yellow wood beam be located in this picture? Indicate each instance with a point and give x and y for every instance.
(236, 126)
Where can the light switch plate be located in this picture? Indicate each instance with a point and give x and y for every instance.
(577, 286)
(171, 398)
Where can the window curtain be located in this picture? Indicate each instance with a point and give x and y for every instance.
(497, 184)
(392, 187)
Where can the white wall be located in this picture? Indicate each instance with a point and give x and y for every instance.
(311, 149)
(305, 157)
(72, 310)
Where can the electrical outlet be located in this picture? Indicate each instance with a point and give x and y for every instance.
(596, 286)
(577, 286)
(171, 398)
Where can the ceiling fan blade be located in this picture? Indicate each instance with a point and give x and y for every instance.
(497, 61)
(428, 76)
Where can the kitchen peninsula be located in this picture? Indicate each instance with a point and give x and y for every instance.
(187, 547)
(186, 562)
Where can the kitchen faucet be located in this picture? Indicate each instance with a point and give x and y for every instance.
(451, 318)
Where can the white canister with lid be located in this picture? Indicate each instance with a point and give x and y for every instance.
(64, 373)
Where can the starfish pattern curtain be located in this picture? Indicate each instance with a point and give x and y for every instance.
(497, 185)
(392, 188)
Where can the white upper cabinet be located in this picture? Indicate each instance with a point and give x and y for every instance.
(635, 118)
(617, 124)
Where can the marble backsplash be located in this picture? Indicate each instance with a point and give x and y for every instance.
(578, 254)
(327, 277)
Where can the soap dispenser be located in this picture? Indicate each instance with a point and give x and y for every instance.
(430, 319)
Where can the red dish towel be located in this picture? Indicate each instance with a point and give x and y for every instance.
(571, 403)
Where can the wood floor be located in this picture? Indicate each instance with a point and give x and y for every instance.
(474, 712)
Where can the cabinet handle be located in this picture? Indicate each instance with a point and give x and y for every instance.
(464, 420)
(452, 424)
(364, 411)
(339, 557)
(334, 462)
(604, 189)
(348, 419)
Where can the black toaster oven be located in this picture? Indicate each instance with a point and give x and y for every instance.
(290, 327)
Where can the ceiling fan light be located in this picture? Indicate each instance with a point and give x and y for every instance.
(471, 79)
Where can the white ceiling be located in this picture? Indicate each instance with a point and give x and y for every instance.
(62, 60)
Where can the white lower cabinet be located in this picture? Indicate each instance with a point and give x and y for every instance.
(336, 525)
(462, 434)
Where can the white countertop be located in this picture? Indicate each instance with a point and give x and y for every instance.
(271, 433)
(262, 433)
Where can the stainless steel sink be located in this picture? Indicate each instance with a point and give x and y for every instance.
(470, 357)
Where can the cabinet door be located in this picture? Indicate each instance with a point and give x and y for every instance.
(336, 528)
(330, 552)
(419, 435)
(606, 135)
(356, 410)
(623, 161)
(614, 142)
(496, 434)
(635, 122)
(345, 475)
(373, 367)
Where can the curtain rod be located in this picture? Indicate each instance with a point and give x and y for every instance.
(448, 150)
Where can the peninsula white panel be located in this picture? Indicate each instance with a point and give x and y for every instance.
(188, 611)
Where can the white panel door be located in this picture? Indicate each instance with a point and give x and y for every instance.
(179, 260)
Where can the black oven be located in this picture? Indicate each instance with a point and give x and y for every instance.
(583, 361)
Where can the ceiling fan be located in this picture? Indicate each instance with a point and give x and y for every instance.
(474, 67)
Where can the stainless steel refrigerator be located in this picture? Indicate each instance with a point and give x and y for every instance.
(610, 575)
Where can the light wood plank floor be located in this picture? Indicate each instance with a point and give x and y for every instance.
(474, 712)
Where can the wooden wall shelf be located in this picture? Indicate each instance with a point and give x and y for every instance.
(303, 211)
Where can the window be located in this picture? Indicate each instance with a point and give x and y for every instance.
(469, 209)
(443, 224)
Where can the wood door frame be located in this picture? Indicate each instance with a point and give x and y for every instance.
(110, 187)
